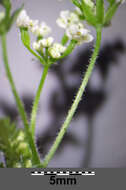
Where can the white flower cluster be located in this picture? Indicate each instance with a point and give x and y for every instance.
(79, 33)
(67, 18)
(40, 30)
(74, 28)
(57, 50)
(43, 43)
(24, 21)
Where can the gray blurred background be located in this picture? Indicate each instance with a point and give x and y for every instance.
(91, 141)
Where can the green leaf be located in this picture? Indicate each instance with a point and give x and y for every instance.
(100, 11)
(6, 131)
(11, 142)
(89, 14)
(14, 17)
(110, 13)
(4, 124)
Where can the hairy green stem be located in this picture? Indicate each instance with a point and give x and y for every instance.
(76, 101)
(36, 101)
(10, 78)
(20, 106)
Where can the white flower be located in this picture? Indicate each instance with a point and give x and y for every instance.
(67, 18)
(56, 50)
(41, 30)
(23, 19)
(33, 23)
(59, 47)
(79, 33)
(46, 42)
(54, 53)
(36, 46)
(75, 31)
(86, 39)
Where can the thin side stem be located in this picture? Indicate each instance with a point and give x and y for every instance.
(75, 103)
(20, 106)
(13, 88)
(36, 55)
(36, 101)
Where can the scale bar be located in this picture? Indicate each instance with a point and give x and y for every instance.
(63, 173)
